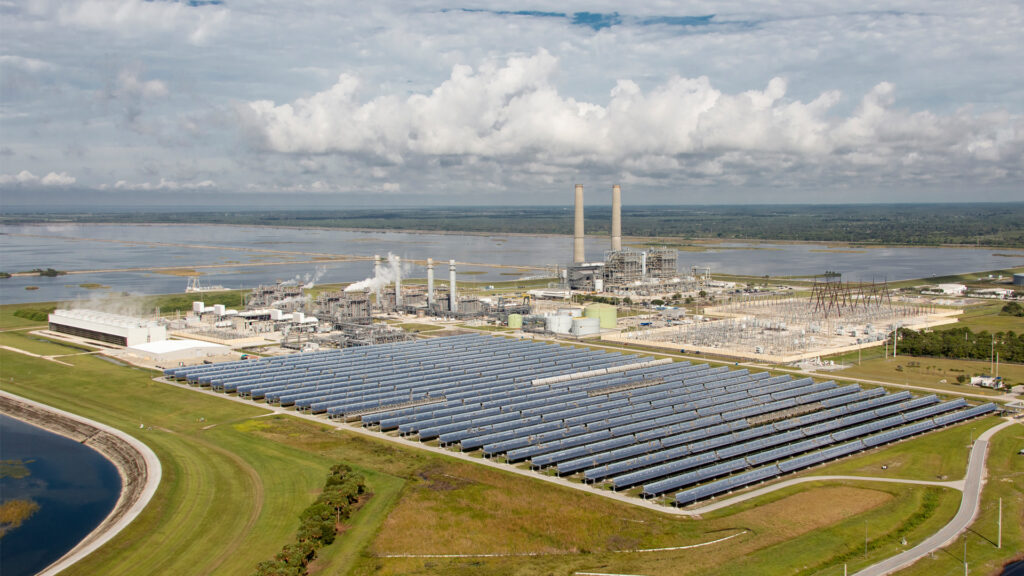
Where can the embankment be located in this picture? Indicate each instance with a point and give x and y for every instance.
(138, 466)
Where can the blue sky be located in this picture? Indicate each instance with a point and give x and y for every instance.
(484, 103)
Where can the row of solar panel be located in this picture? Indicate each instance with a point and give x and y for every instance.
(463, 408)
(657, 445)
(700, 474)
(429, 350)
(759, 474)
(675, 424)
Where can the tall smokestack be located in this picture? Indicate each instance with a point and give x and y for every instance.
(578, 255)
(453, 296)
(376, 274)
(398, 282)
(616, 217)
(430, 281)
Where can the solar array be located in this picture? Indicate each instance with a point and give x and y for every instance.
(627, 421)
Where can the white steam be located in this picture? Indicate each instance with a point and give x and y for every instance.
(387, 273)
(307, 281)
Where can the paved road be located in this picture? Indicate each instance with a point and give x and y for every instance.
(973, 483)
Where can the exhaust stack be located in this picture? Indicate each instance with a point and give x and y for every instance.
(398, 282)
(430, 281)
(376, 274)
(616, 217)
(578, 252)
(453, 296)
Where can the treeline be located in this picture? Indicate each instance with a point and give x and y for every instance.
(910, 224)
(319, 523)
(962, 343)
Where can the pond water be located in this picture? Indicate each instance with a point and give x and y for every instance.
(74, 486)
(250, 255)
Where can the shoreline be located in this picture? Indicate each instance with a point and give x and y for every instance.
(137, 465)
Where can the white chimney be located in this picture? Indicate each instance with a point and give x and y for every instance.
(616, 217)
(430, 281)
(453, 296)
(578, 252)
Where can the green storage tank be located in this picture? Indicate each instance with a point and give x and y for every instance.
(515, 320)
(606, 313)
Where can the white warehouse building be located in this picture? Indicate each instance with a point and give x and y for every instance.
(107, 327)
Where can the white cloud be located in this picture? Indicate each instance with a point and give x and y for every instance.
(164, 184)
(923, 98)
(129, 84)
(32, 65)
(26, 178)
(139, 17)
(515, 114)
(57, 179)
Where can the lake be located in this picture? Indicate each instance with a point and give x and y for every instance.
(74, 486)
(250, 255)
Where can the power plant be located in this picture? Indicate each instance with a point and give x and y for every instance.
(621, 270)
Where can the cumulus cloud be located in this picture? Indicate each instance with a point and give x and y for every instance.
(26, 178)
(32, 65)
(515, 113)
(197, 21)
(129, 84)
(164, 184)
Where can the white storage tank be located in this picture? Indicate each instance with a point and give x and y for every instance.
(218, 309)
(571, 312)
(198, 307)
(559, 324)
(585, 326)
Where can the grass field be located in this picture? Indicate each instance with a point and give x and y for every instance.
(22, 340)
(926, 371)
(989, 317)
(417, 327)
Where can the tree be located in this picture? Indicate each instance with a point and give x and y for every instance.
(1013, 309)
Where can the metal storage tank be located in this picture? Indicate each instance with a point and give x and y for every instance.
(1018, 279)
(515, 320)
(559, 324)
(606, 313)
(573, 312)
(585, 326)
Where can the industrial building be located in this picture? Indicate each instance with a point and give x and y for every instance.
(106, 327)
(171, 352)
(621, 269)
(672, 429)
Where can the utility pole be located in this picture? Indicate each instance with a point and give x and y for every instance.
(999, 539)
(865, 539)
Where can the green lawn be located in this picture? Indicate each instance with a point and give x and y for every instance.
(22, 340)
(927, 371)
(988, 317)
(419, 327)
